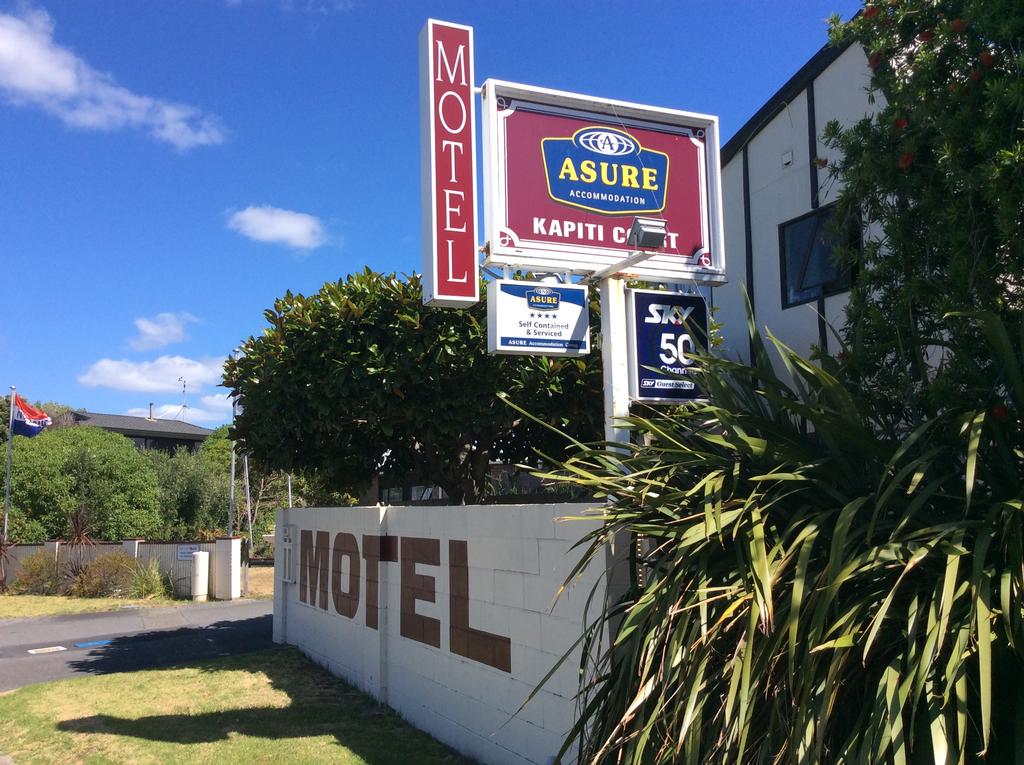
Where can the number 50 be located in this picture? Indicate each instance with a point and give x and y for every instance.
(674, 348)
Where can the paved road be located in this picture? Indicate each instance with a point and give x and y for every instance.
(127, 640)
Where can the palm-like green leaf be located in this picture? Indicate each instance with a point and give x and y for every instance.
(814, 592)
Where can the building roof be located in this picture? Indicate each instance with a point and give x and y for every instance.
(143, 426)
(796, 84)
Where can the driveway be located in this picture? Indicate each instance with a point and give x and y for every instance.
(57, 647)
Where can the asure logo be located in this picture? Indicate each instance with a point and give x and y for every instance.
(605, 170)
(542, 299)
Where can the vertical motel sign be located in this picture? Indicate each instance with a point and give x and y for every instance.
(447, 160)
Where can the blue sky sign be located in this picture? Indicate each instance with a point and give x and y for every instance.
(606, 171)
(665, 329)
(534, 318)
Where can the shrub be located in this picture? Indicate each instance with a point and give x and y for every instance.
(83, 469)
(811, 590)
(192, 492)
(38, 575)
(110, 575)
(148, 582)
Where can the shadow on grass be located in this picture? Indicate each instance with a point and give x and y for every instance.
(320, 706)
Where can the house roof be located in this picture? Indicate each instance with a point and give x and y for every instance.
(795, 85)
(143, 426)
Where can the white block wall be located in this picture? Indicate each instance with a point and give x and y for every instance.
(518, 557)
(779, 193)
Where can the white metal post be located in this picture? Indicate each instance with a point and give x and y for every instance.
(7, 482)
(614, 358)
(248, 495)
(231, 495)
(248, 515)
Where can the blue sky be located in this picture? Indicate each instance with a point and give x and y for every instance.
(168, 168)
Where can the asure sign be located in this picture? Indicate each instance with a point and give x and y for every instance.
(448, 167)
(566, 174)
(536, 318)
(665, 329)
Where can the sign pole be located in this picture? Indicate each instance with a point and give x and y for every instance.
(7, 482)
(618, 564)
(614, 359)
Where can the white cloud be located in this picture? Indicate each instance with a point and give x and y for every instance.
(272, 224)
(218, 402)
(321, 7)
(159, 376)
(173, 412)
(35, 70)
(163, 329)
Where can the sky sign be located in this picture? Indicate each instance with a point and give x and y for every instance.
(566, 174)
(665, 330)
(448, 166)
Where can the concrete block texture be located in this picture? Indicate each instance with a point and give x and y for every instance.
(447, 614)
(228, 565)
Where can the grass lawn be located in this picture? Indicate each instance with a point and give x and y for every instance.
(261, 585)
(261, 581)
(16, 606)
(265, 707)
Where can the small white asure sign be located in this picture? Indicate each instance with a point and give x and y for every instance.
(538, 319)
(185, 551)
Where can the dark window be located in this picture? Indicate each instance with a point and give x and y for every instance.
(809, 271)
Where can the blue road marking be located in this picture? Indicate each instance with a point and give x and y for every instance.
(92, 643)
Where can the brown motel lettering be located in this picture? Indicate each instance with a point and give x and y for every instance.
(340, 565)
(419, 587)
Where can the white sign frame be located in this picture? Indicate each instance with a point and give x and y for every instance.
(501, 250)
(504, 317)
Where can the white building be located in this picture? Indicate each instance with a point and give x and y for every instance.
(777, 199)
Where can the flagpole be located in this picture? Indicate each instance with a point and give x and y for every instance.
(7, 482)
(231, 495)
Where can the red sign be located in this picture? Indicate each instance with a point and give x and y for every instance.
(567, 174)
(448, 143)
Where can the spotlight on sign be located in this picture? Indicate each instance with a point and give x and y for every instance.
(647, 233)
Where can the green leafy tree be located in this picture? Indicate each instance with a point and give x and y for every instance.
(268, 488)
(215, 451)
(937, 175)
(193, 494)
(310, 490)
(833, 562)
(66, 472)
(360, 379)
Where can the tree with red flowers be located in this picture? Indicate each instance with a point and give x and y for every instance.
(937, 177)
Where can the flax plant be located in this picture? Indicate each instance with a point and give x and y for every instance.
(809, 590)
